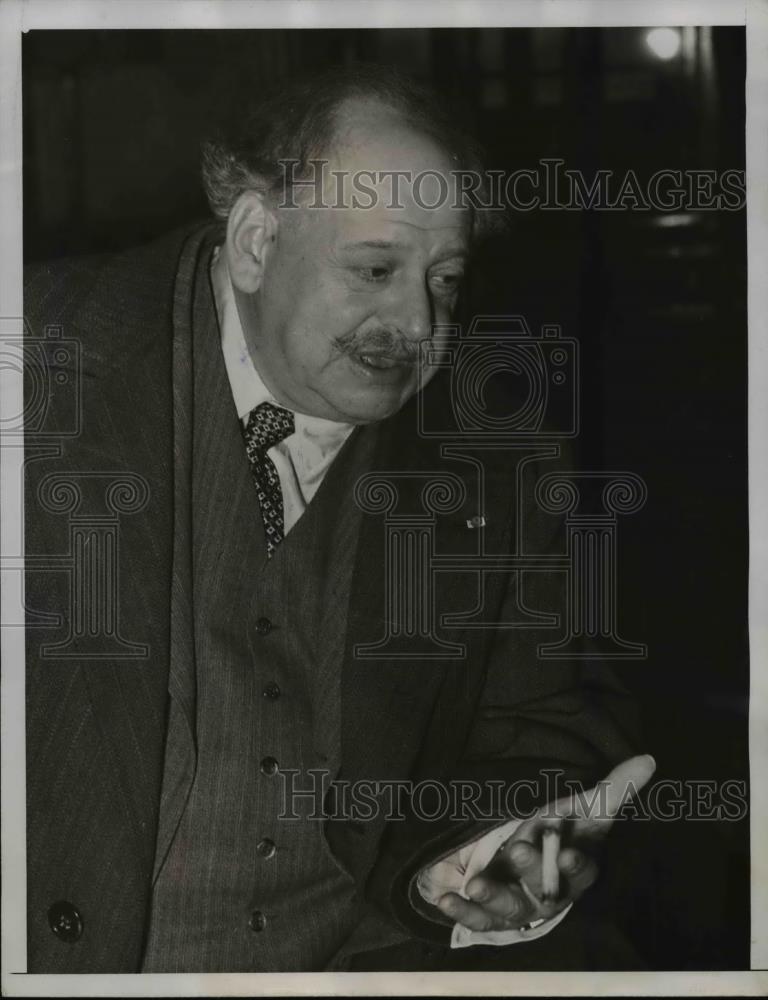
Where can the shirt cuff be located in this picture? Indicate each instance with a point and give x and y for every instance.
(473, 858)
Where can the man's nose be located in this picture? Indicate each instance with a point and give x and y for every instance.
(412, 310)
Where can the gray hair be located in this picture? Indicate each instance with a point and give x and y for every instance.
(300, 123)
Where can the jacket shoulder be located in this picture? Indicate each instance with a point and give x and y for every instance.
(111, 301)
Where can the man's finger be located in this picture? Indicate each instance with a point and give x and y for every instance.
(498, 898)
(477, 917)
(596, 809)
(626, 780)
(525, 862)
(578, 868)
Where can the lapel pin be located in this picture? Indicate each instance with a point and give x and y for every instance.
(478, 521)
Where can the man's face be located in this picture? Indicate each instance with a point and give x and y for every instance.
(348, 294)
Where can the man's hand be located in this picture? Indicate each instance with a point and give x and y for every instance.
(508, 892)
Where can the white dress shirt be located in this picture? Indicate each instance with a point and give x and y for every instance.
(301, 460)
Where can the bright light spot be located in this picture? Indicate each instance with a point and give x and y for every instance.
(663, 42)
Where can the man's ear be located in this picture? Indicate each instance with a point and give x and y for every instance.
(251, 232)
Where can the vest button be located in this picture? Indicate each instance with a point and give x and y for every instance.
(269, 766)
(263, 626)
(65, 921)
(271, 690)
(266, 848)
(258, 921)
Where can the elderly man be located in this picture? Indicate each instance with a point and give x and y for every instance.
(245, 376)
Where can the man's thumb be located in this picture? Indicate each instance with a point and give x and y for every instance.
(626, 780)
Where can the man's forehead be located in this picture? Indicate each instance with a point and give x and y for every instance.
(403, 188)
(384, 181)
(392, 229)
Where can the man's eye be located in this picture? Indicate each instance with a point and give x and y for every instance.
(373, 274)
(447, 282)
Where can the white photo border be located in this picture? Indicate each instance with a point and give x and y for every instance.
(17, 16)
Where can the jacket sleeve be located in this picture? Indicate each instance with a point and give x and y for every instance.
(539, 725)
(573, 728)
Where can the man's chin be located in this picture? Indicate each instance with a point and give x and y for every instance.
(373, 405)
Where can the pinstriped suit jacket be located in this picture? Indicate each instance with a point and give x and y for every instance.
(96, 726)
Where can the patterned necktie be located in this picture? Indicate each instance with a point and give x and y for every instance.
(267, 426)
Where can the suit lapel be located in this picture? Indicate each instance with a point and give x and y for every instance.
(334, 506)
(202, 407)
(228, 537)
(214, 512)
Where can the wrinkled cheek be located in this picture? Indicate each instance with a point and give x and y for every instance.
(312, 348)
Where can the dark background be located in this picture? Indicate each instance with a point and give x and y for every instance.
(112, 126)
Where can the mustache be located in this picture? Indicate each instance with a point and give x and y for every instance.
(389, 343)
